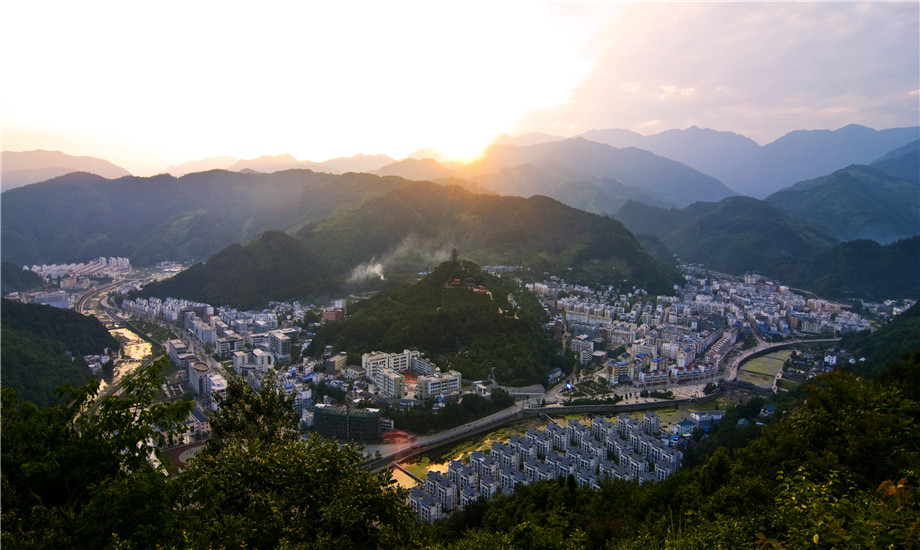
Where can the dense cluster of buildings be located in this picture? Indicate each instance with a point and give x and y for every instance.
(684, 338)
(108, 267)
(71, 279)
(385, 371)
(226, 331)
(629, 449)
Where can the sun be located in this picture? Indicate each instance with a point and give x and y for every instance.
(464, 151)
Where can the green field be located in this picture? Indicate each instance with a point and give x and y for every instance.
(761, 371)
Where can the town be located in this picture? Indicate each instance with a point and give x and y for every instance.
(623, 344)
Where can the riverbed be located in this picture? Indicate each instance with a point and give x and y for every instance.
(133, 351)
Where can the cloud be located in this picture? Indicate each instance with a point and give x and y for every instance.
(761, 69)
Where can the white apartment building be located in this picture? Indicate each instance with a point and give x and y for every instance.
(438, 384)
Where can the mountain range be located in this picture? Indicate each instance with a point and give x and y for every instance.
(411, 229)
(81, 216)
(757, 171)
(735, 160)
(734, 235)
(581, 173)
(21, 168)
(741, 234)
(673, 208)
(268, 164)
(857, 202)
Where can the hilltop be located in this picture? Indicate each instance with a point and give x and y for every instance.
(461, 317)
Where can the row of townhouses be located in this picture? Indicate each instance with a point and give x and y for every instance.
(628, 449)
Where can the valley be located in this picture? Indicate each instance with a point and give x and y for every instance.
(518, 317)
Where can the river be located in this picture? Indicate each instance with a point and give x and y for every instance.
(133, 351)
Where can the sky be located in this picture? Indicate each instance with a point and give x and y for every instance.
(149, 85)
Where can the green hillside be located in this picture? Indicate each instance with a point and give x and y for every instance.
(14, 279)
(886, 346)
(538, 232)
(734, 235)
(272, 266)
(498, 329)
(35, 339)
(858, 202)
(161, 217)
(412, 229)
(859, 269)
(903, 162)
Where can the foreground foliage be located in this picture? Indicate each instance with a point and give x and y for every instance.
(837, 470)
(840, 471)
(78, 476)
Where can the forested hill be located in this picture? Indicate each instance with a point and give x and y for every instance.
(733, 235)
(35, 341)
(82, 216)
(14, 279)
(538, 232)
(858, 269)
(462, 318)
(898, 339)
(857, 202)
(411, 229)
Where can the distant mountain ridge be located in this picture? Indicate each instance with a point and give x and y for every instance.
(750, 169)
(268, 164)
(578, 172)
(903, 162)
(81, 216)
(26, 167)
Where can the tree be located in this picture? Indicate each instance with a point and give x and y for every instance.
(63, 465)
(247, 415)
(261, 494)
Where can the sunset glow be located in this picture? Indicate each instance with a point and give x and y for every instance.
(146, 87)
